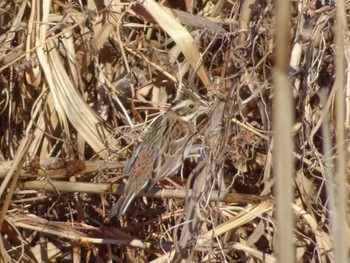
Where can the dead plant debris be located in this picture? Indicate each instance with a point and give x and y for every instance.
(85, 79)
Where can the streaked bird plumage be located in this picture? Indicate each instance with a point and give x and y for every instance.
(161, 151)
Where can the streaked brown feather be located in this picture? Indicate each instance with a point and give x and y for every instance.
(161, 151)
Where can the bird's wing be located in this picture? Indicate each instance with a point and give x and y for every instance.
(133, 159)
(139, 178)
(145, 145)
(170, 151)
(139, 170)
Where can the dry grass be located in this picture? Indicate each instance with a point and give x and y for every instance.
(80, 84)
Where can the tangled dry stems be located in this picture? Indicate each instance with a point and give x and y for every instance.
(80, 86)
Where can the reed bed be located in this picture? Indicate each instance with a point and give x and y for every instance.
(80, 81)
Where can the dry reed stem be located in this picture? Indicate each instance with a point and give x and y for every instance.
(86, 81)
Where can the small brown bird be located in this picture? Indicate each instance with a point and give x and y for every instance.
(161, 151)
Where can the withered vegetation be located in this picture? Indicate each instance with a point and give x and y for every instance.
(79, 84)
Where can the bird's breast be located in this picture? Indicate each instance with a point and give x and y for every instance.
(179, 130)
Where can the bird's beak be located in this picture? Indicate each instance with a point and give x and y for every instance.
(204, 107)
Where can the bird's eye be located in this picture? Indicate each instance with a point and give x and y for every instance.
(191, 106)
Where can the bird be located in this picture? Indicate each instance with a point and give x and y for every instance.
(162, 148)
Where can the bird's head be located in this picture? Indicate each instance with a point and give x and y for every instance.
(188, 105)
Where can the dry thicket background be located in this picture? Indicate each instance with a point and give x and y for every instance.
(81, 80)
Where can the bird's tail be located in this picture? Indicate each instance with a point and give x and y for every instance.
(121, 206)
